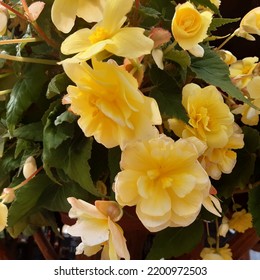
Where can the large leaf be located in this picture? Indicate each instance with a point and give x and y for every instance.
(27, 198)
(32, 131)
(254, 206)
(26, 91)
(167, 94)
(174, 242)
(215, 72)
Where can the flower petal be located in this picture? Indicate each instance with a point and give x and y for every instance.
(3, 216)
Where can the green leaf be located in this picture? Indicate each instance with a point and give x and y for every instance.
(254, 206)
(167, 94)
(55, 198)
(25, 92)
(174, 242)
(66, 116)
(180, 57)
(32, 131)
(58, 85)
(217, 22)
(214, 71)
(240, 176)
(27, 197)
(207, 3)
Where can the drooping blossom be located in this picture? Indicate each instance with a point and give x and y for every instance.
(97, 227)
(223, 253)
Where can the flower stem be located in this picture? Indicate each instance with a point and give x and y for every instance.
(28, 59)
(6, 91)
(37, 28)
(28, 179)
(19, 41)
(227, 40)
(13, 10)
(217, 235)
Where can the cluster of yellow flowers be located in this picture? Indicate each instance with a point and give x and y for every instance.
(167, 181)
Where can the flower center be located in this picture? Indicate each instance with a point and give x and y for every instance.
(98, 35)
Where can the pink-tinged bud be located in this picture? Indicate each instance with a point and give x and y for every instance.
(160, 36)
(8, 195)
(136, 68)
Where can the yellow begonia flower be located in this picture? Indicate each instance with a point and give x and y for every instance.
(210, 119)
(241, 221)
(189, 27)
(108, 35)
(241, 71)
(250, 24)
(227, 57)
(3, 20)
(64, 12)
(97, 228)
(109, 103)
(222, 160)
(250, 116)
(164, 180)
(3, 216)
(223, 253)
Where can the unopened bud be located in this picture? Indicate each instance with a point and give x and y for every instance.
(29, 167)
(8, 195)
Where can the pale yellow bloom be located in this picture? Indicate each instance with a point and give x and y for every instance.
(3, 20)
(250, 24)
(223, 253)
(8, 195)
(29, 167)
(109, 36)
(241, 221)
(222, 160)
(64, 12)
(189, 27)
(210, 119)
(242, 70)
(3, 216)
(250, 116)
(96, 225)
(109, 103)
(164, 180)
(227, 57)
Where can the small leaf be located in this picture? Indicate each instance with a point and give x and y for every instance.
(214, 71)
(217, 22)
(32, 131)
(57, 85)
(25, 92)
(167, 94)
(254, 206)
(207, 3)
(167, 243)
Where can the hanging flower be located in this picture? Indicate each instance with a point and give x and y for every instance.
(240, 221)
(223, 253)
(110, 106)
(96, 225)
(250, 116)
(164, 180)
(189, 27)
(242, 70)
(210, 118)
(227, 57)
(222, 160)
(64, 12)
(250, 24)
(109, 36)
(3, 216)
